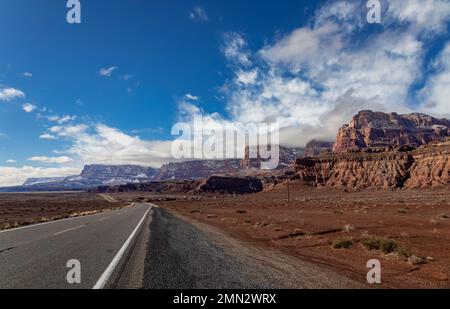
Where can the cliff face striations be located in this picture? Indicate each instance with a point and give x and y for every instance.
(376, 129)
(399, 168)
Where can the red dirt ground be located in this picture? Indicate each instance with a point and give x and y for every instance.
(306, 227)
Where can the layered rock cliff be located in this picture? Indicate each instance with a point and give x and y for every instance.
(214, 184)
(315, 148)
(399, 168)
(286, 157)
(431, 166)
(377, 129)
(197, 169)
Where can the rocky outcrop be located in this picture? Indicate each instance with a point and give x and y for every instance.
(214, 184)
(315, 148)
(375, 169)
(431, 166)
(156, 187)
(287, 157)
(199, 169)
(231, 185)
(376, 129)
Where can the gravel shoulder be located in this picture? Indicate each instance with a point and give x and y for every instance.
(186, 254)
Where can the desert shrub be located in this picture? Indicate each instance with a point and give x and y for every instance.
(388, 246)
(343, 243)
(376, 243)
(403, 252)
(371, 243)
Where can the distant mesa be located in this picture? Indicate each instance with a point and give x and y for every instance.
(401, 167)
(231, 185)
(370, 129)
(198, 169)
(287, 156)
(383, 151)
(213, 184)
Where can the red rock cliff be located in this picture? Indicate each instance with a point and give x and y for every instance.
(401, 168)
(376, 129)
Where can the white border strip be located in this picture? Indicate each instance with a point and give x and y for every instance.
(101, 283)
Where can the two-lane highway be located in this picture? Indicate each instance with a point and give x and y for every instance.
(36, 256)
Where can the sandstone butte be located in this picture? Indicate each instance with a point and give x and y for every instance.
(383, 151)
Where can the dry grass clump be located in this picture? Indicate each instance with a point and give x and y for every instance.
(343, 243)
(386, 245)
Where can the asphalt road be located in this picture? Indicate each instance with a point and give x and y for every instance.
(36, 256)
(185, 254)
(167, 252)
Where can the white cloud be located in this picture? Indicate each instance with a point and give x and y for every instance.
(314, 79)
(8, 94)
(235, 49)
(11, 161)
(199, 14)
(13, 176)
(437, 91)
(100, 144)
(349, 13)
(247, 77)
(61, 119)
(28, 107)
(423, 15)
(191, 97)
(69, 130)
(305, 46)
(107, 72)
(108, 145)
(47, 136)
(28, 74)
(55, 160)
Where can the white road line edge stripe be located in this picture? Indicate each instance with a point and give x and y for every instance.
(101, 282)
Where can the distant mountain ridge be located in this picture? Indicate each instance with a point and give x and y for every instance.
(114, 175)
(117, 174)
(367, 132)
(91, 176)
(34, 181)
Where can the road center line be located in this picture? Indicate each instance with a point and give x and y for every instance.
(71, 229)
(103, 280)
(53, 222)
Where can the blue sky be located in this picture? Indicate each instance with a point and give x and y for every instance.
(109, 89)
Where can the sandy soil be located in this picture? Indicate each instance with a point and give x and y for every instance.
(18, 209)
(417, 221)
